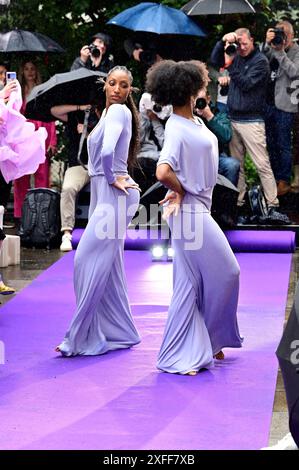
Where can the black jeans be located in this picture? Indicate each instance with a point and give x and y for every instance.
(4, 191)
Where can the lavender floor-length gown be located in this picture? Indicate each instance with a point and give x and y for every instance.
(202, 314)
(103, 320)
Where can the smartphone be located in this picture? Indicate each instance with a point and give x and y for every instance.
(10, 76)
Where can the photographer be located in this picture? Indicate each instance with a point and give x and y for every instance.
(283, 55)
(248, 77)
(220, 125)
(152, 121)
(146, 53)
(97, 55)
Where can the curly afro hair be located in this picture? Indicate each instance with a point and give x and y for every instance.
(174, 83)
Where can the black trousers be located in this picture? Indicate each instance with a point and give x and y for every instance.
(4, 191)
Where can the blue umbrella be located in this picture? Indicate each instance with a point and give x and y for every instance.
(155, 18)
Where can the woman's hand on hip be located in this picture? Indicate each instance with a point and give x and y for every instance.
(122, 184)
(174, 200)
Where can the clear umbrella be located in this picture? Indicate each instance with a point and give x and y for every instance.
(217, 7)
(19, 40)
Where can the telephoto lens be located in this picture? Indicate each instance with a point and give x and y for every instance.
(95, 52)
(201, 103)
(231, 49)
(224, 90)
(157, 108)
(279, 37)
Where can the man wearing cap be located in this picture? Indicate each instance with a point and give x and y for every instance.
(96, 56)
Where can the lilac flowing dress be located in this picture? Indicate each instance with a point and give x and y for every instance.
(202, 314)
(103, 320)
(22, 148)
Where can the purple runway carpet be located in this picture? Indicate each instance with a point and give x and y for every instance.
(119, 400)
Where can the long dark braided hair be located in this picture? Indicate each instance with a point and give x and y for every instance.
(135, 141)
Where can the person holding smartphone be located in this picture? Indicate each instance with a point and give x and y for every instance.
(5, 187)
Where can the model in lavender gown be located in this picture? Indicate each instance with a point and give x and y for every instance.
(202, 315)
(103, 320)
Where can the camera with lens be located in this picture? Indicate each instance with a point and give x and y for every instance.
(157, 108)
(148, 57)
(94, 50)
(201, 103)
(279, 37)
(231, 49)
(224, 90)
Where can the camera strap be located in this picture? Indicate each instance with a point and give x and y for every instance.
(83, 137)
(154, 138)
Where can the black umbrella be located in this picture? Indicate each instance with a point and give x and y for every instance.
(288, 356)
(81, 86)
(19, 40)
(217, 7)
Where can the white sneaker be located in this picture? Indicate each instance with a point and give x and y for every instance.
(66, 244)
(286, 443)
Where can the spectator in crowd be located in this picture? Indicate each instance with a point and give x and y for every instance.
(97, 55)
(152, 118)
(220, 125)
(248, 78)
(4, 94)
(219, 83)
(76, 176)
(29, 77)
(146, 53)
(4, 67)
(5, 187)
(283, 55)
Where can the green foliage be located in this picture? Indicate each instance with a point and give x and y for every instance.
(252, 177)
(72, 24)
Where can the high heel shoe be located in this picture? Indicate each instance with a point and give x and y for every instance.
(6, 290)
(219, 356)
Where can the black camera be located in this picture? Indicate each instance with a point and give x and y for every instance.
(279, 37)
(224, 90)
(201, 103)
(157, 108)
(94, 50)
(231, 49)
(148, 57)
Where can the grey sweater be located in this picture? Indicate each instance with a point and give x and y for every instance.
(288, 72)
(149, 148)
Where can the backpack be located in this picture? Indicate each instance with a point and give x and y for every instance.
(40, 221)
(257, 202)
(261, 213)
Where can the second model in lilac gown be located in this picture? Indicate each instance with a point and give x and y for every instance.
(103, 320)
(202, 314)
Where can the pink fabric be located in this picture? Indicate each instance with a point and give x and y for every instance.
(49, 126)
(41, 176)
(22, 148)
